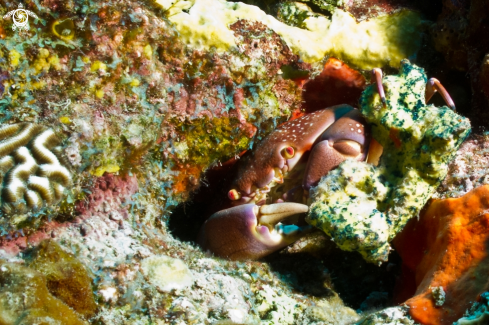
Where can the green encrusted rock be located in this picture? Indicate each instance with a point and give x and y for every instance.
(362, 207)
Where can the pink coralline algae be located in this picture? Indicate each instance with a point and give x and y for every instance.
(109, 193)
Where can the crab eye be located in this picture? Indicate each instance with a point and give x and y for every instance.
(288, 152)
(234, 195)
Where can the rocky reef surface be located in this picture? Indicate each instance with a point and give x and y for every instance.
(136, 106)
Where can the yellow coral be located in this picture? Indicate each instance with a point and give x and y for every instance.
(134, 82)
(54, 62)
(148, 51)
(99, 93)
(377, 42)
(64, 29)
(98, 66)
(45, 61)
(109, 168)
(65, 120)
(37, 84)
(43, 53)
(14, 57)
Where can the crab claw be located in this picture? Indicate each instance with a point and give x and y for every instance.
(249, 231)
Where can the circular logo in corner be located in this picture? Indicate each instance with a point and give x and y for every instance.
(20, 17)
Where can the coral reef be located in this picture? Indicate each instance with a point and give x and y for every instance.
(447, 248)
(382, 41)
(363, 207)
(33, 171)
(328, 312)
(66, 277)
(388, 316)
(143, 110)
(25, 299)
(468, 169)
(166, 273)
(113, 237)
(126, 95)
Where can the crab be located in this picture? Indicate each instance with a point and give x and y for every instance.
(306, 148)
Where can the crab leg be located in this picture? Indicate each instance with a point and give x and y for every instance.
(432, 86)
(377, 78)
(251, 232)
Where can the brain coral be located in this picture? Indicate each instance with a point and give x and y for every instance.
(32, 172)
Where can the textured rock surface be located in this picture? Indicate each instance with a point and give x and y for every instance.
(66, 277)
(25, 299)
(389, 316)
(363, 207)
(381, 41)
(166, 273)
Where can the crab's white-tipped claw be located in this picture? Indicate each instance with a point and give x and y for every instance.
(250, 232)
(270, 215)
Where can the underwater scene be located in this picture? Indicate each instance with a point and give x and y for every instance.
(212, 162)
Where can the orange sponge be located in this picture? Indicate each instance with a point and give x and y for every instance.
(448, 247)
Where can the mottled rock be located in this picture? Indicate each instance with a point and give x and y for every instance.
(25, 299)
(361, 206)
(166, 273)
(66, 277)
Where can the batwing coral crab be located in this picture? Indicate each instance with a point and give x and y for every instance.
(306, 149)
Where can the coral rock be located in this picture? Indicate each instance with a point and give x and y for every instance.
(362, 207)
(67, 278)
(388, 316)
(447, 248)
(25, 299)
(167, 273)
(203, 24)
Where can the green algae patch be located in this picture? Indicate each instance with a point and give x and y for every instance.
(362, 207)
(25, 299)
(381, 41)
(66, 277)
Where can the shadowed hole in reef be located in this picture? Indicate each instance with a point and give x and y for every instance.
(361, 285)
(210, 197)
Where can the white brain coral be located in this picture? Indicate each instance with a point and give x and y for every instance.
(32, 168)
